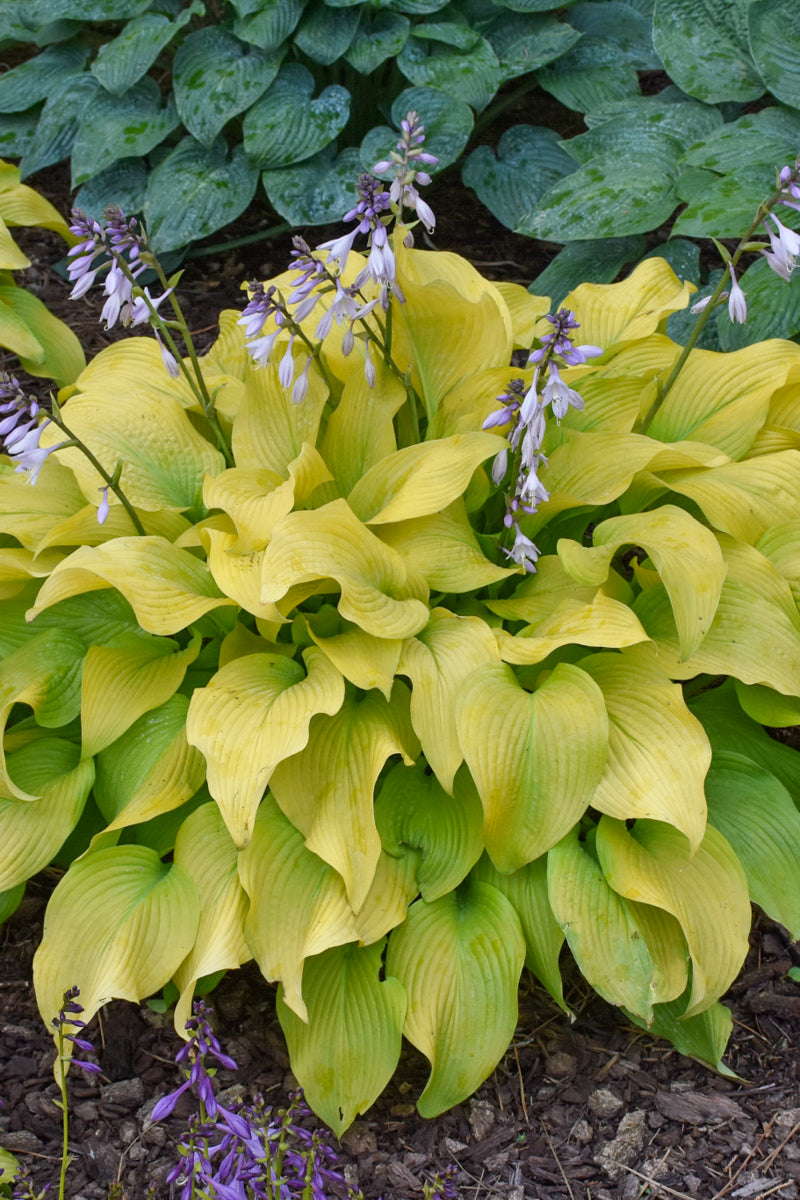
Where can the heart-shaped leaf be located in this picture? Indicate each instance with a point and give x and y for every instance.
(115, 127)
(704, 49)
(380, 35)
(286, 126)
(325, 32)
(448, 124)
(59, 121)
(525, 42)
(121, 62)
(470, 75)
(316, 192)
(510, 180)
(33, 80)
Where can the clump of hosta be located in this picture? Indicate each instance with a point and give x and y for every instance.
(394, 666)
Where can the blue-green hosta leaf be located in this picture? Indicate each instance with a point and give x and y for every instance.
(286, 126)
(626, 138)
(704, 49)
(380, 35)
(528, 6)
(524, 42)
(622, 24)
(33, 81)
(594, 75)
(682, 255)
(528, 161)
(773, 308)
(267, 23)
(775, 46)
(448, 124)
(606, 197)
(456, 31)
(325, 33)
(316, 192)
(724, 206)
(39, 12)
(597, 261)
(124, 183)
(114, 127)
(123, 61)
(417, 7)
(216, 76)
(194, 191)
(770, 136)
(472, 76)
(17, 133)
(59, 121)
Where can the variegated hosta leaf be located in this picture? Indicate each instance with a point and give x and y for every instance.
(455, 322)
(360, 431)
(117, 926)
(706, 892)
(326, 790)
(275, 867)
(755, 634)
(743, 498)
(443, 833)
(443, 549)
(756, 814)
(163, 456)
(420, 479)
(459, 958)
(347, 1052)
(331, 543)
(121, 683)
(526, 889)
(29, 513)
(607, 940)
(44, 673)
(686, 555)
(531, 796)
(167, 588)
(658, 753)
(723, 399)
(151, 769)
(254, 713)
(619, 313)
(269, 430)
(32, 831)
(205, 851)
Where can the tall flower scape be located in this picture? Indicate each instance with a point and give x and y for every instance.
(419, 627)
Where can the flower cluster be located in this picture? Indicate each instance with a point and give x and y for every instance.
(21, 428)
(69, 1014)
(527, 411)
(405, 162)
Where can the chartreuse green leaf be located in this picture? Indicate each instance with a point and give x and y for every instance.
(167, 588)
(236, 575)
(444, 550)
(164, 457)
(32, 831)
(706, 892)
(360, 431)
(134, 368)
(420, 479)
(598, 620)
(326, 790)
(462, 1014)
(781, 545)
(444, 833)
(756, 814)
(274, 865)
(439, 661)
(619, 313)
(755, 634)
(604, 935)
(45, 674)
(151, 769)
(269, 430)
(122, 682)
(531, 797)
(45, 345)
(10, 901)
(658, 753)
(393, 888)
(253, 714)
(331, 543)
(704, 1035)
(11, 257)
(686, 555)
(723, 399)
(347, 1052)
(526, 889)
(118, 926)
(452, 306)
(767, 706)
(205, 851)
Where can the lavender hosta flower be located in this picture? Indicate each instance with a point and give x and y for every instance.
(119, 240)
(405, 163)
(559, 396)
(21, 429)
(737, 302)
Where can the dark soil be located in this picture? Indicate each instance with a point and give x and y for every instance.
(587, 1111)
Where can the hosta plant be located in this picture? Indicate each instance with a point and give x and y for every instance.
(411, 632)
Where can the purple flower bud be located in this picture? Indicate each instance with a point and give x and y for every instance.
(737, 303)
(103, 507)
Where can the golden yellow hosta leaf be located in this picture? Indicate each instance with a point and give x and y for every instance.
(326, 790)
(11, 257)
(443, 549)
(470, 401)
(706, 892)
(254, 713)
(438, 661)
(613, 314)
(269, 430)
(393, 888)
(30, 513)
(658, 752)
(525, 310)
(82, 528)
(601, 621)
(167, 588)
(360, 431)
(237, 574)
(531, 797)
(331, 543)
(134, 368)
(298, 904)
(781, 545)
(18, 564)
(365, 660)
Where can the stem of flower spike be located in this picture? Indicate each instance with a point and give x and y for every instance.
(111, 481)
(62, 1083)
